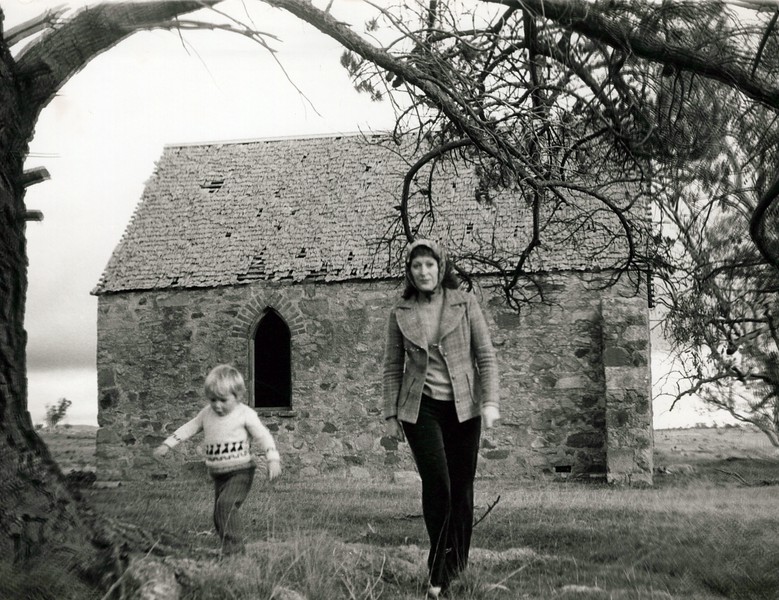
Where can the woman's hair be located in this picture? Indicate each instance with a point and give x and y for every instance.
(223, 380)
(449, 279)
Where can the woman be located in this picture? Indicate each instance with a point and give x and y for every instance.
(440, 381)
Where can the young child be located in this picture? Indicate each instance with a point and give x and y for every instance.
(227, 423)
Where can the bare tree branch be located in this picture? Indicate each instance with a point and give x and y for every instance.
(629, 26)
(60, 53)
(29, 28)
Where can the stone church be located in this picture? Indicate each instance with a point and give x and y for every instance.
(282, 257)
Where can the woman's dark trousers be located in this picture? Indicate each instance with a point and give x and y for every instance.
(230, 490)
(445, 452)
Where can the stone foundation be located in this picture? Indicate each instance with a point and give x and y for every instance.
(574, 378)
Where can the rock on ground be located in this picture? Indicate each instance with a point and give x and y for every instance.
(283, 593)
(152, 580)
(158, 579)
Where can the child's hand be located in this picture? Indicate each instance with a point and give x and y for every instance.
(274, 469)
(160, 451)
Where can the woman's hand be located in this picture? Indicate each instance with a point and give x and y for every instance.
(393, 429)
(489, 415)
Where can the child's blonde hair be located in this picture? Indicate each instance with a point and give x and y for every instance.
(223, 380)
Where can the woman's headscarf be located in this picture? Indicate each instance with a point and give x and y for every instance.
(438, 253)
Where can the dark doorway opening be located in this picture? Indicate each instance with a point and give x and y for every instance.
(272, 370)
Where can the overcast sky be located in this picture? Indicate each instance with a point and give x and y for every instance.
(100, 137)
(99, 140)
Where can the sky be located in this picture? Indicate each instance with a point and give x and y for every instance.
(100, 137)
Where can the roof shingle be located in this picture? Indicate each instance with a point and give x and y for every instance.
(317, 208)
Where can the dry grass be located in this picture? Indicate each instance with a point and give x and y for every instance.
(699, 535)
(72, 446)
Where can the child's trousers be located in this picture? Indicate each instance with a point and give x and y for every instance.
(230, 490)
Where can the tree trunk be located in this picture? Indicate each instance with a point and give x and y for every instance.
(36, 506)
(38, 511)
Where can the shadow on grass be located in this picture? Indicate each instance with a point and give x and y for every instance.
(47, 577)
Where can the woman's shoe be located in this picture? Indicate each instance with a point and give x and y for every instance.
(435, 592)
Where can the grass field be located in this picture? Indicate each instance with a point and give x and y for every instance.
(73, 446)
(706, 530)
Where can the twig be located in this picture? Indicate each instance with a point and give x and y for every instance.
(756, 483)
(501, 584)
(733, 474)
(488, 511)
(761, 47)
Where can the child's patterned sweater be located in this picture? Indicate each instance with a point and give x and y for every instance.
(227, 438)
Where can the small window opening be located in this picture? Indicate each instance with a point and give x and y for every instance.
(469, 228)
(302, 253)
(213, 185)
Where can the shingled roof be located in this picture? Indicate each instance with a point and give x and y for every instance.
(312, 208)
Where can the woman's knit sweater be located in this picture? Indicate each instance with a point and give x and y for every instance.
(227, 445)
(438, 384)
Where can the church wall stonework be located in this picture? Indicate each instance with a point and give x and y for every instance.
(629, 433)
(569, 395)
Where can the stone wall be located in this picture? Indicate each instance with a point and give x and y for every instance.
(154, 349)
(629, 441)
